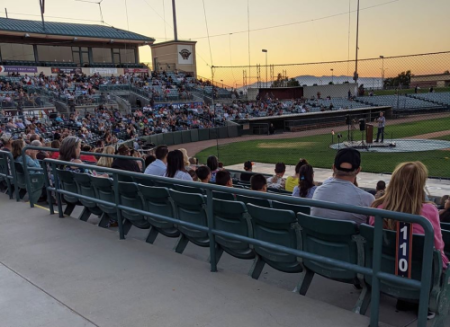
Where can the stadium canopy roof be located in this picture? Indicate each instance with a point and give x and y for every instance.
(33, 28)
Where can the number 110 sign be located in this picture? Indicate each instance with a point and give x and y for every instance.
(403, 256)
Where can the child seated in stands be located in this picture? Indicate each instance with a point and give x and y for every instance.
(223, 177)
(258, 183)
(277, 181)
(204, 174)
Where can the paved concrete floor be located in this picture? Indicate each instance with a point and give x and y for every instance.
(435, 187)
(65, 272)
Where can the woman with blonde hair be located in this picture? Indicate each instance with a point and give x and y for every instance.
(186, 162)
(406, 193)
(106, 161)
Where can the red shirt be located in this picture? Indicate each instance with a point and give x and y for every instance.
(88, 158)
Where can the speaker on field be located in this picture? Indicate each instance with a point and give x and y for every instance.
(362, 124)
(347, 119)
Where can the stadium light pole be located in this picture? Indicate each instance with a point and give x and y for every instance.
(382, 69)
(265, 51)
(332, 75)
(355, 75)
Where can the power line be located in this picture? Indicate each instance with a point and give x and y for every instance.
(207, 32)
(163, 18)
(295, 23)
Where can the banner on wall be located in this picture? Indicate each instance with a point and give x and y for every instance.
(104, 71)
(136, 70)
(18, 69)
(57, 70)
(185, 56)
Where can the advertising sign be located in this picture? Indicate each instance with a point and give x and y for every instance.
(103, 71)
(18, 69)
(136, 70)
(66, 70)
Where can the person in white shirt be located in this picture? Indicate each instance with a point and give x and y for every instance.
(158, 167)
(175, 166)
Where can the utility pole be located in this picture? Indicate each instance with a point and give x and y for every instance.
(175, 31)
(355, 75)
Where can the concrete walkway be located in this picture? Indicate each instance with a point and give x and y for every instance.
(65, 272)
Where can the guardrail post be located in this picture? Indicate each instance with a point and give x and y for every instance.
(27, 177)
(47, 185)
(117, 198)
(57, 194)
(212, 239)
(376, 267)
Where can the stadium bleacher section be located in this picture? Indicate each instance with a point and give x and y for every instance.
(271, 236)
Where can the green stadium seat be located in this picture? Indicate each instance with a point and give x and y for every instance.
(85, 188)
(440, 286)
(446, 239)
(445, 226)
(4, 171)
(68, 184)
(278, 227)
(190, 208)
(36, 182)
(223, 196)
(129, 196)
(157, 200)
(252, 200)
(232, 217)
(104, 190)
(143, 181)
(334, 239)
(293, 207)
(188, 189)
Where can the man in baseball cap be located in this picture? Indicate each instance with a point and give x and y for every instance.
(342, 188)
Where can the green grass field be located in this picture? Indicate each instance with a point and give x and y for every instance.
(317, 151)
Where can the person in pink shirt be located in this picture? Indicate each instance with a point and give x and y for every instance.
(405, 193)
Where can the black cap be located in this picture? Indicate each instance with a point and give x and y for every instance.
(247, 165)
(347, 155)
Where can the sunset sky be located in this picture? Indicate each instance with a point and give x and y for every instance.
(388, 28)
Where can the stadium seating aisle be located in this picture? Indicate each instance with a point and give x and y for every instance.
(129, 283)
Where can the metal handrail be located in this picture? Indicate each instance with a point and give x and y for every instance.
(424, 284)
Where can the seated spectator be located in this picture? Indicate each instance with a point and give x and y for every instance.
(306, 186)
(223, 177)
(69, 151)
(106, 161)
(7, 140)
(213, 166)
(258, 183)
(123, 163)
(444, 213)
(187, 164)
(137, 154)
(406, 193)
(193, 162)
(193, 174)
(292, 181)
(149, 159)
(89, 158)
(342, 190)
(248, 167)
(277, 181)
(175, 166)
(55, 145)
(381, 188)
(204, 174)
(30, 156)
(40, 155)
(158, 167)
